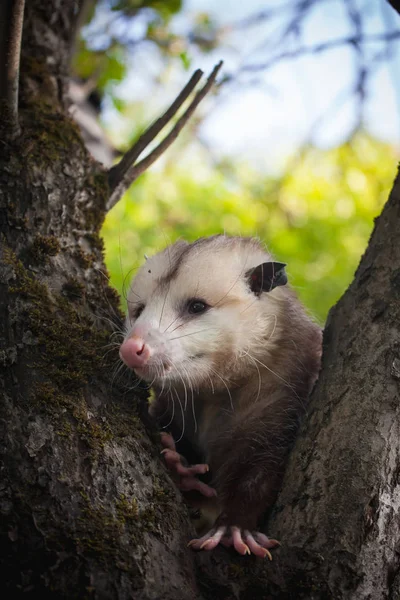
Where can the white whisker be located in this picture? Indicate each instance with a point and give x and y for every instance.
(183, 417)
(172, 322)
(276, 374)
(173, 413)
(184, 387)
(259, 377)
(187, 334)
(227, 388)
(212, 385)
(193, 410)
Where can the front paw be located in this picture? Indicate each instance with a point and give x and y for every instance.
(244, 541)
(186, 476)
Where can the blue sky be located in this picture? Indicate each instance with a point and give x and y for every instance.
(304, 99)
(280, 113)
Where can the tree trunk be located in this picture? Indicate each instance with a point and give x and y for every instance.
(87, 508)
(338, 512)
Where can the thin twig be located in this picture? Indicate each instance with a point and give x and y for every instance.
(118, 172)
(330, 45)
(11, 21)
(122, 175)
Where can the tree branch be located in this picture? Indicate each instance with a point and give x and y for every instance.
(118, 172)
(395, 4)
(11, 21)
(122, 175)
(354, 40)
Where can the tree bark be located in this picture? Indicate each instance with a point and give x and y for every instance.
(87, 508)
(338, 512)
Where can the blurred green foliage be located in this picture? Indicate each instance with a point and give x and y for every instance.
(317, 217)
(115, 30)
(102, 50)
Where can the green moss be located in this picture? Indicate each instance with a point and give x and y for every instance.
(49, 399)
(65, 429)
(84, 259)
(113, 296)
(127, 509)
(99, 182)
(95, 241)
(123, 421)
(45, 393)
(73, 289)
(35, 67)
(84, 496)
(68, 351)
(6, 118)
(94, 216)
(15, 221)
(44, 246)
(148, 518)
(99, 532)
(26, 285)
(47, 244)
(162, 495)
(94, 434)
(70, 344)
(236, 571)
(48, 136)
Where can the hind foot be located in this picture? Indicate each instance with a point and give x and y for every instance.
(187, 480)
(244, 541)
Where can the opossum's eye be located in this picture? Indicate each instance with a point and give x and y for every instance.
(137, 311)
(266, 277)
(196, 307)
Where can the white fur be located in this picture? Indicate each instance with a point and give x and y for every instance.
(237, 320)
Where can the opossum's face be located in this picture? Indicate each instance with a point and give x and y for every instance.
(197, 315)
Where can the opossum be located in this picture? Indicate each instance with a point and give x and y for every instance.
(231, 355)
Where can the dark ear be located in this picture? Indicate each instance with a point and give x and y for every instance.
(266, 277)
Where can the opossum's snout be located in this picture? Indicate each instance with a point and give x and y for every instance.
(144, 351)
(135, 352)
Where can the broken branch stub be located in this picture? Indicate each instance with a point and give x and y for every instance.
(122, 175)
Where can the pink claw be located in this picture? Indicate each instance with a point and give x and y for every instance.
(243, 541)
(255, 548)
(209, 541)
(238, 542)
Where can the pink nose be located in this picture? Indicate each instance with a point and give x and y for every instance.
(134, 352)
